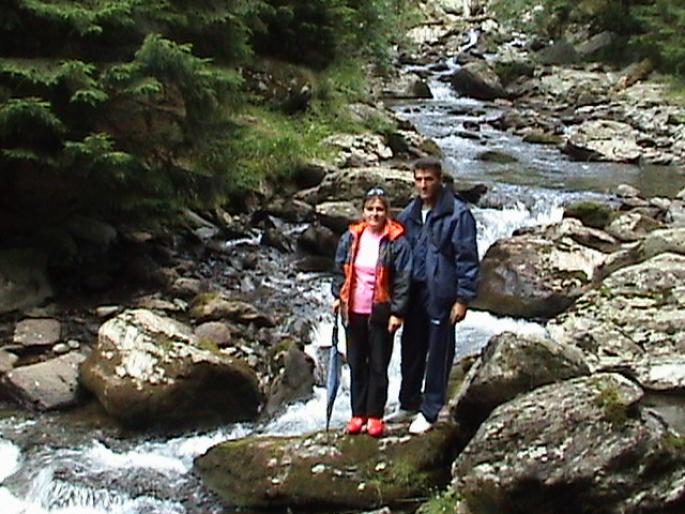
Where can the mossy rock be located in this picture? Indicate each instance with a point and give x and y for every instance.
(542, 138)
(496, 156)
(330, 471)
(508, 72)
(591, 214)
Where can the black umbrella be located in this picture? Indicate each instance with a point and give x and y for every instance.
(333, 378)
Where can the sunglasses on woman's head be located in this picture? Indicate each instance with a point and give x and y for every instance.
(375, 191)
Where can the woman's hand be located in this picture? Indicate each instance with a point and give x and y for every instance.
(336, 304)
(394, 323)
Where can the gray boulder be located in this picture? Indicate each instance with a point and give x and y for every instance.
(603, 140)
(537, 273)
(579, 446)
(147, 371)
(23, 279)
(508, 366)
(295, 378)
(635, 323)
(37, 332)
(52, 384)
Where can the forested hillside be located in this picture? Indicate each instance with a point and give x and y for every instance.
(136, 107)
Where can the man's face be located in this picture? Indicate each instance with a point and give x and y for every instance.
(427, 182)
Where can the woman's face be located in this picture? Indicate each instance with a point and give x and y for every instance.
(375, 213)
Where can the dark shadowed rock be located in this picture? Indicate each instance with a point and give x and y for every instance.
(508, 366)
(319, 240)
(579, 446)
(478, 80)
(591, 214)
(147, 371)
(23, 279)
(294, 381)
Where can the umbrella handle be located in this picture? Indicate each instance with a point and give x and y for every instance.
(334, 341)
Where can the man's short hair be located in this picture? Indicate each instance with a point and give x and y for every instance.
(428, 163)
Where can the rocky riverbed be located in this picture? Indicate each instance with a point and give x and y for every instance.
(145, 321)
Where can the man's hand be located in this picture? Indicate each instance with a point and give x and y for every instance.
(458, 312)
(394, 323)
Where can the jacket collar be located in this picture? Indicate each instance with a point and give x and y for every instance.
(444, 205)
(392, 230)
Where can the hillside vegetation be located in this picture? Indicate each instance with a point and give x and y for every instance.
(132, 107)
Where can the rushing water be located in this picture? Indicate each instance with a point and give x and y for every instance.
(47, 465)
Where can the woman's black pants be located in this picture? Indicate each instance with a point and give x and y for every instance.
(369, 348)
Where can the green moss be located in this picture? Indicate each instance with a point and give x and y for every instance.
(610, 401)
(443, 502)
(209, 345)
(591, 214)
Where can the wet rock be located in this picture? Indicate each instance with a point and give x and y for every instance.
(319, 240)
(664, 241)
(52, 384)
(312, 173)
(632, 226)
(496, 156)
(338, 215)
(583, 442)
(537, 137)
(146, 370)
(23, 279)
(278, 239)
(594, 45)
(537, 273)
(187, 287)
(215, 307)
(635, 323)
(294, 380)
(624, 191)
(106, 311)
(591, 214)
(7, 361)
(349, 472)
(412, 144)
(478, 80)
(290, 209)
(217, 332)
(37, 332)
(561, 52)
(405, 86)
(603, 140)
(61, 349)
(508, 366)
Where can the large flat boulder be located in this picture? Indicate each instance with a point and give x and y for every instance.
(478, 80)
(635, 322)
(353, 183)
(147, 370)
(52, 384)
(583, 445)
(329, 472)
(538, 272)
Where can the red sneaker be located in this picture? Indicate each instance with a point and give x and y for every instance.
(375, 427)
(355, 425)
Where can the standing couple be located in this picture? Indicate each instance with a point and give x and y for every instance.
(420, 270)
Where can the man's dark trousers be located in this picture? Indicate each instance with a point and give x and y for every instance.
(427, 350)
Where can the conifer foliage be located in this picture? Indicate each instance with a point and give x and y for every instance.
(129, 105)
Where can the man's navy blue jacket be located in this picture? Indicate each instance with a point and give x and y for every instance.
(452, 265)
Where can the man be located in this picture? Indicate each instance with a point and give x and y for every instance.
(442, 233)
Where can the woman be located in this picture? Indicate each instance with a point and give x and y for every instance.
(371, 287)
